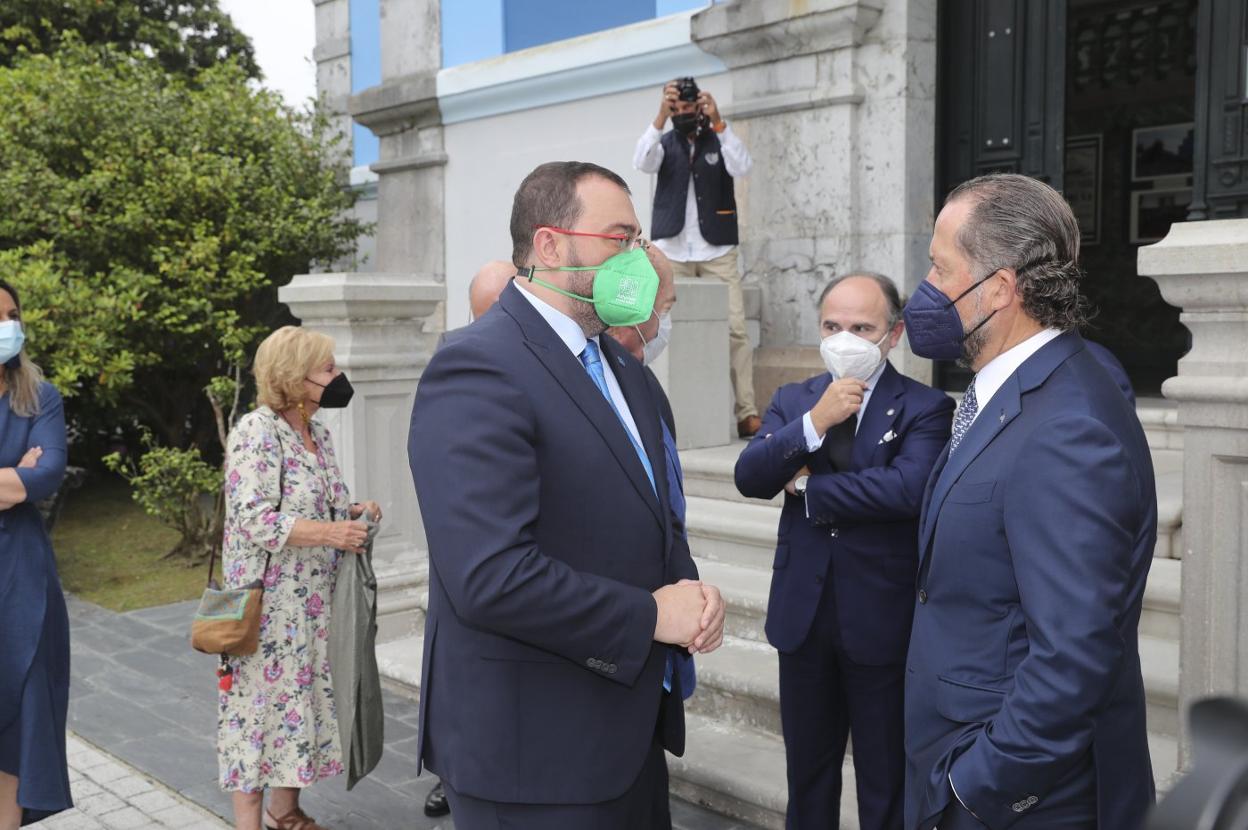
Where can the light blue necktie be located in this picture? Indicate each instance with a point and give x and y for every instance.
(592, 360)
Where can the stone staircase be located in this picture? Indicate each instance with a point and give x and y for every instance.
(734, 763)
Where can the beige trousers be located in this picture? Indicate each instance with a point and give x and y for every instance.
(740, 350)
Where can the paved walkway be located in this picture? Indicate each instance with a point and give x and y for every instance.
(110, 795)
(140, 694)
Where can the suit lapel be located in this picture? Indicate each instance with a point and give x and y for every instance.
(567, 370)
(645, 412)
(994, 417)
(882, 412)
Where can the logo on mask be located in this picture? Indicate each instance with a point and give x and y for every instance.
(628, 292)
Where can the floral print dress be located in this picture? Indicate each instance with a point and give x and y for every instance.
(277, 726)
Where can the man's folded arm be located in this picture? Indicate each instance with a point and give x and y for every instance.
(893, 492)
(773, 456)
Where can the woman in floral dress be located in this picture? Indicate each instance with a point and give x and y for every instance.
(286, 503)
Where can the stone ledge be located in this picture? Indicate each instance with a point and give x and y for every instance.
(398, 104)
(806, 99)
(1216, 247)
(331, 48)
(762, 31)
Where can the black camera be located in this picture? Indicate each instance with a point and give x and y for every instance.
(687, 89)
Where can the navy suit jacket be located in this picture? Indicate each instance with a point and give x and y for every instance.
(860, 536)
(541, 682)
(1036, 541)
(1113, 366)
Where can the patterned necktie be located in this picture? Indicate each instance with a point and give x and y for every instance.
(591, 358)
(966, 415)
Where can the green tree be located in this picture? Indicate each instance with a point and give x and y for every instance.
(183, 36)
(149, 218)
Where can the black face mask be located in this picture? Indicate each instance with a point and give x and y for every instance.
(686, 123)
(337, 392)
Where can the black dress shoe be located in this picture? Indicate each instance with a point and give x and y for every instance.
(436, 804)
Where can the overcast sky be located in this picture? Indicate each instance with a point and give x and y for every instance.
(284, 34)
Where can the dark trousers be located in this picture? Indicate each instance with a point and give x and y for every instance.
(824, 698)
(643, 807)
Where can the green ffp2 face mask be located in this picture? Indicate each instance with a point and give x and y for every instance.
(624, 287)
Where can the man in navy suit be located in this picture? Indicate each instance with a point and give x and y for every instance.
(1024, 698)
(853, 448)
(558, 591)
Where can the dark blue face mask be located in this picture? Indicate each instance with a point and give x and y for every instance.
(933, 325)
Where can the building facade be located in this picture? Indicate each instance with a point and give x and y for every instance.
(860, 116)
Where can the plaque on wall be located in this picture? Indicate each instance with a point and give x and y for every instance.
(1154, 211)
(1083, 184)
(1161, 152)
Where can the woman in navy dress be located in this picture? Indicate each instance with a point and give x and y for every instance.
(34, 625)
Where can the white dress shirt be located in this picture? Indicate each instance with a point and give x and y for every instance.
(570, 333)
(813, 439)
(689, 245)
(990, 378)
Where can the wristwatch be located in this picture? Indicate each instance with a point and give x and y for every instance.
(799, 486)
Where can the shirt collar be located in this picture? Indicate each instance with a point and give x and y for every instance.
(569, 330)
(990, 378)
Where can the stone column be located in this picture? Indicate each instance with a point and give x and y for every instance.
(403, 112)
(380, 324)
(333, 63)
(836, 100)
(694, 368)
(1202, 267)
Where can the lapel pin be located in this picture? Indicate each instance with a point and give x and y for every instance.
(888, 436)
(1003, 416)
(891, 412)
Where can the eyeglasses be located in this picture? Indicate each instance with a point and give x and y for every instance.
(623, 240)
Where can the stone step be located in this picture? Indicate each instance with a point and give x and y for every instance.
(732, 532)
(709, 477)
(745, 591)
(1163, 751)
(735, 544)
(730, 768)
(738, 772)
(709, 474)
(739, 684)
(1159, 661)
(1162, 600)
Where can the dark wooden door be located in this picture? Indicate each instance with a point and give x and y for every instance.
(1221, 134)
(1000, 90)
(1000, 99)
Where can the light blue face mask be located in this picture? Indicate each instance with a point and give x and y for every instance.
(12, 338)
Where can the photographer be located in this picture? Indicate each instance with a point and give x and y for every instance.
(696, 227)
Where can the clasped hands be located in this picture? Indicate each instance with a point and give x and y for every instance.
(691, 615)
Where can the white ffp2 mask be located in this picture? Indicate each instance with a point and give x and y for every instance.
(849, 356)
